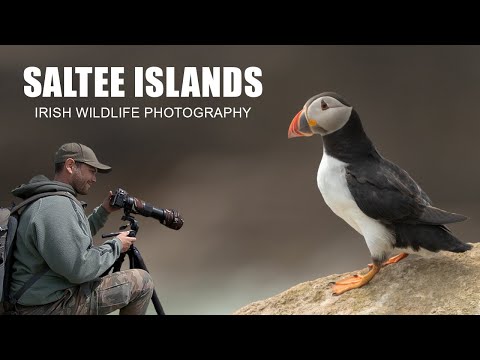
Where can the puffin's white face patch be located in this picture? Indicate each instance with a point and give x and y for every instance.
(328, 113)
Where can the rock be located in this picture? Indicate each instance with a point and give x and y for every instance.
(447, 283)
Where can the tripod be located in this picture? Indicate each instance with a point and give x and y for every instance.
(134, 257)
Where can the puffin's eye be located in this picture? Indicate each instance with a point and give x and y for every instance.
(324, 105)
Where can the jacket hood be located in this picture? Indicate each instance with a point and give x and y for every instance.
(40, 184)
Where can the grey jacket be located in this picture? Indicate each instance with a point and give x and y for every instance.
(54, 233)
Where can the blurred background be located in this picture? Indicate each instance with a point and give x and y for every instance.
(255, 221)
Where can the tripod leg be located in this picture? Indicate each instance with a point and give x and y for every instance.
(156, 304)
(116, 265)
(136, 262)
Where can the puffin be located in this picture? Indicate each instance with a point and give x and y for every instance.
(370, 193)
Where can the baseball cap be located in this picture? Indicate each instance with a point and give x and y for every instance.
(80, 153)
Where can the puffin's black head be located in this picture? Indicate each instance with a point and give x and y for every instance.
(323, 114)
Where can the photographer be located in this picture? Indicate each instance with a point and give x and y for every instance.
(56, 268)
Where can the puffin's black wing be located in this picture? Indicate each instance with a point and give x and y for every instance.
(385, 192)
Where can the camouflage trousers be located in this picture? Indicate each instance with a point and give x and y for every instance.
(127, 290)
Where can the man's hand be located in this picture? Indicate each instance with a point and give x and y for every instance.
(126, 240)
(106, 203)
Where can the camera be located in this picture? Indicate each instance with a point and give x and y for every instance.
(168, 217)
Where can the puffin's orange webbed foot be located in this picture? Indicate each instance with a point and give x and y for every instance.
(354, 282)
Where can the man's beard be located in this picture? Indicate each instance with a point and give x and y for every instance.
(80, 187)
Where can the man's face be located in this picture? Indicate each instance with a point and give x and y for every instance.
(83, 177)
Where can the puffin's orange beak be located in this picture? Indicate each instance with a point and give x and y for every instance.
(299, 126)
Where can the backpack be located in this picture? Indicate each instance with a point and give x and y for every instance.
(9, 218)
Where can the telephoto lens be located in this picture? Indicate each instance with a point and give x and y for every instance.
(168, 217)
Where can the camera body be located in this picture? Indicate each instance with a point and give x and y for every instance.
(121, 199)
(169, 218)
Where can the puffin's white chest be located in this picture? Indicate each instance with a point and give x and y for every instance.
(333, 186)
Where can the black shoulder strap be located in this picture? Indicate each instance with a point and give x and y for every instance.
(14, 299)
(19, 209)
